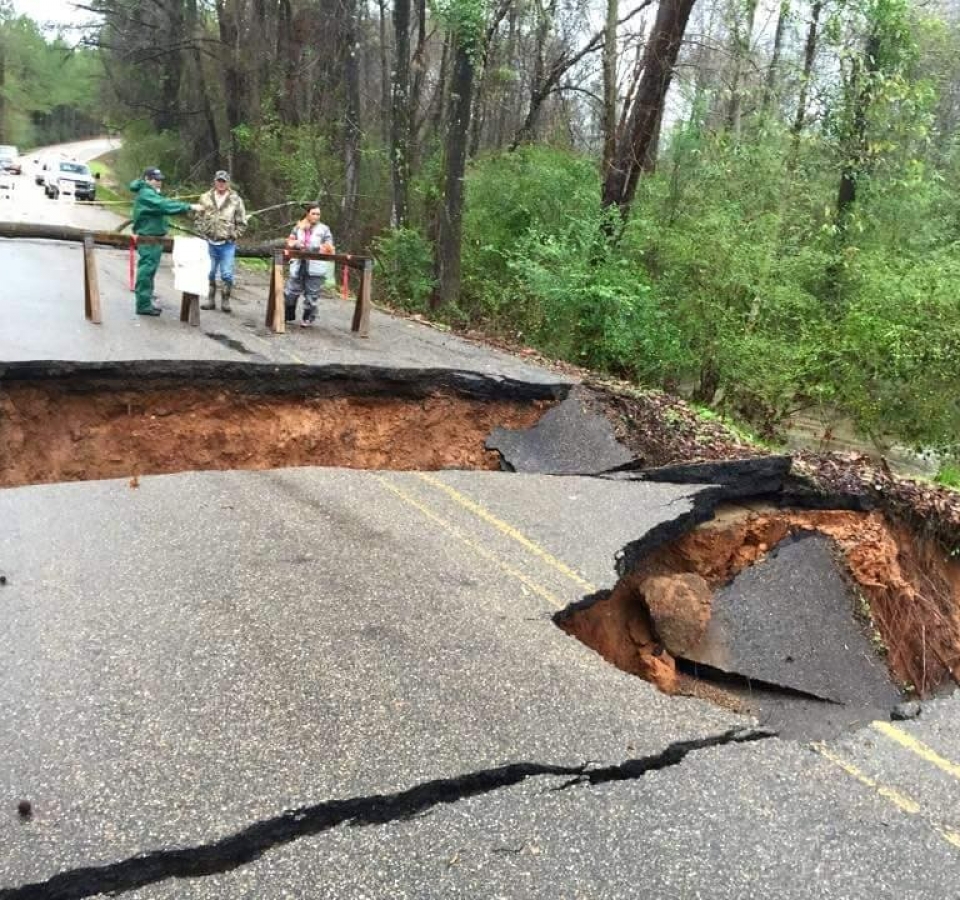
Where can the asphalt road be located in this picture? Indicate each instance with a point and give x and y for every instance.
(338, 684)
(47, 322)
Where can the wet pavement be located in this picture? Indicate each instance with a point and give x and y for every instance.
(329, 683)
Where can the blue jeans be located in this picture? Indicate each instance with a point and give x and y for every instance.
(221, 256)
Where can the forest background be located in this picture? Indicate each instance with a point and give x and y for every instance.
(752, 203)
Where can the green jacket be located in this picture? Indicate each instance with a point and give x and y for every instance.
(151, 208)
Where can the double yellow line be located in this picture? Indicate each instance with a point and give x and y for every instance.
(898, 798)
(503, 527)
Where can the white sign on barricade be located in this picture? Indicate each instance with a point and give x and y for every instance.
(191, 265)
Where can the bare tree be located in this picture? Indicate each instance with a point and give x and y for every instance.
(742, 34)
(609, 117)
(450, 225)
(400, 112)
(773, 69)
(809, 54)
(660, 56)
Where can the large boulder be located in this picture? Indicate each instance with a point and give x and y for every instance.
(679, 607)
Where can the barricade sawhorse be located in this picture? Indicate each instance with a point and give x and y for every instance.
(361, 313)
(190, 303)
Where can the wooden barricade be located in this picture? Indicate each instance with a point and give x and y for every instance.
(190, 303)
(361, 313)
(190, 309)
(91, 285)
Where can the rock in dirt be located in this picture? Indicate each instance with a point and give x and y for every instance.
(679, 606)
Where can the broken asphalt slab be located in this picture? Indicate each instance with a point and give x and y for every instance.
(790, 621)
(570, 439)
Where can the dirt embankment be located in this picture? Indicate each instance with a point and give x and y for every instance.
(52, 434)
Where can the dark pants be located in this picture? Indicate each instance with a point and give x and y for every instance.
(309, 286)
(148, 261)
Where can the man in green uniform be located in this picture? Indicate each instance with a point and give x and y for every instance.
(150, 211)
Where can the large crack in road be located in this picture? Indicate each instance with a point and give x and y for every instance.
(252, 842)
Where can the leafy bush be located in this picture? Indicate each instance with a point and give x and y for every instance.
(597, 311)
(513, 200)
(896, 353)
(404, 268)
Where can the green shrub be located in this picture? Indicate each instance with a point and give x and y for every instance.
(596, 311)
(534, 193)
(896, 352)
(404, 274)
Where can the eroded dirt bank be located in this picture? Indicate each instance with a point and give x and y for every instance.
(52, 432)
(909, 595)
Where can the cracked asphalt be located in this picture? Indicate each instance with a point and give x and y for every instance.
(342, 684)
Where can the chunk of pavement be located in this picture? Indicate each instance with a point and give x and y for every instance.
(569, 439)
(789, 621)
(679, 606)
(909, 709)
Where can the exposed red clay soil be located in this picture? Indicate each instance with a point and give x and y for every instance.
(49, 434)
(912, 593)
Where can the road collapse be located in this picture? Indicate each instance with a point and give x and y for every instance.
(75, 421)
(813, 610)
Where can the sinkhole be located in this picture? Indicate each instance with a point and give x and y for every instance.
(70, 422)
(813, 621)
(761, 599)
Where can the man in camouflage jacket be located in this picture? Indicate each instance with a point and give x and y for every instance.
(222, 220)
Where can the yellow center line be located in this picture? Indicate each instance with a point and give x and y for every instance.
(480, 551)
(509, 531)
(918, 747)
(897, 798)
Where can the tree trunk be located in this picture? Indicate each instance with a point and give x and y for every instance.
(860, 93)
(539, 86)
(740, 50)
(809, 54)
(773, 70)
(235, 85)
(447, 260)
(211, 140)
(400, 113)
(419, 60)
(649, 164)
(660, 56)
(609, 118)
(3, 78)
(385, 81)
(352, 131)
(506, 96)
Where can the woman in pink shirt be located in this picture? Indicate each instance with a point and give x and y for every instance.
(307, 275)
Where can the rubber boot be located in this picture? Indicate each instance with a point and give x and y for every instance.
(211, 297)
(225, 290)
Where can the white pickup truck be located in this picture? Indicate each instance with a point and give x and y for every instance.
(69, 178)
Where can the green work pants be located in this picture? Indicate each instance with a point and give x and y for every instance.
(148, 261)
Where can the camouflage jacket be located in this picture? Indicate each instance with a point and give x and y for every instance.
(224, 224)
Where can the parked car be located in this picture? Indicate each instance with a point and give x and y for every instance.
(10, 159)
(70, 178)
